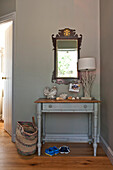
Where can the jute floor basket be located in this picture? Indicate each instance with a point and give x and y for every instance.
(26, 138)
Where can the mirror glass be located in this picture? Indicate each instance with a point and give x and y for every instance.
(66, 58)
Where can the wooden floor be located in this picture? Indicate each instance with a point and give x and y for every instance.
(80, 157)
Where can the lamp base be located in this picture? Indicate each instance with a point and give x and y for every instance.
(86, 98)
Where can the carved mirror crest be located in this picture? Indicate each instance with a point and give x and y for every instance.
(66, 54)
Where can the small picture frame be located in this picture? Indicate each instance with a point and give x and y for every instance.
(73, 87)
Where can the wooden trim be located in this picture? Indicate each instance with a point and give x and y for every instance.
(43, 100)
(3, 19)
(8, 17)
(106, 149)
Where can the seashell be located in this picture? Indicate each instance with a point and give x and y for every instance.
(59, 98)
(63, 95)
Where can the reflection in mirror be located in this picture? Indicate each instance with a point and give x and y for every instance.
(67, 58)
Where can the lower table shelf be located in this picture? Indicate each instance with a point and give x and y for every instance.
(76, 149)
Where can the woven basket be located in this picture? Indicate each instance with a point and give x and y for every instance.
(26, 138)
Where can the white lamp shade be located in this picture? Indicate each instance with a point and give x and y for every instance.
(86, 64)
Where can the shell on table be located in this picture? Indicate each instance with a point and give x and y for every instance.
(63, 96)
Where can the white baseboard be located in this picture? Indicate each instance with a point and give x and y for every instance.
(107, 149)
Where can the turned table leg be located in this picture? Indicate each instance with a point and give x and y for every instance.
(95, 127)
(90, 127)
(39, 113)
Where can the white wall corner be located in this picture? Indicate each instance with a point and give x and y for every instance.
(107, 149)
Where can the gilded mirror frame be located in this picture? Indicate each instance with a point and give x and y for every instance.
(70, 35)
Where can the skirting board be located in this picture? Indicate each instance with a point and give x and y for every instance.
(107, 149)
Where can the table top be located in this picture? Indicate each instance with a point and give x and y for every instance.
(44, 100)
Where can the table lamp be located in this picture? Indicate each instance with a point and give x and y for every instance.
(86, 66)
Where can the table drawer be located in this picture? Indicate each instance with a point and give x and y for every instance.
(68, 106)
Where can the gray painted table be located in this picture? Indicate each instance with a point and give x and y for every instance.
(63, 106)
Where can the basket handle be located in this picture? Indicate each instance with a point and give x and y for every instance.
(34, 124)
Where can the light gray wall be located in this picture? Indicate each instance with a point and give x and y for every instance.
(7, 6)
(33, 64)
(107, 71)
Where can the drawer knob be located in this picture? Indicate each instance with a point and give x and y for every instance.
(50, 106)
(85, 106)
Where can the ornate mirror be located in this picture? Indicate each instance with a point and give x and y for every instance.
(66, 54)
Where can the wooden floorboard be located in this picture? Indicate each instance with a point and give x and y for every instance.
(80, 157)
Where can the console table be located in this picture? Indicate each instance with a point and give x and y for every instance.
(63, 106)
